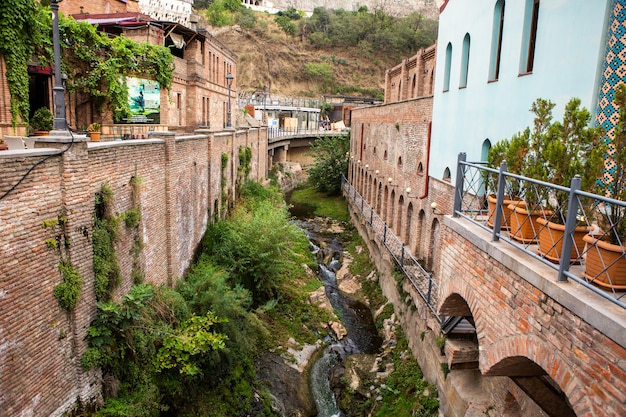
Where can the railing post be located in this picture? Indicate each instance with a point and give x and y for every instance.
(362, 204)
(385, 234)
(497, 222)
(570, 225)
(402, 257)
(371, 215)
(458, 191)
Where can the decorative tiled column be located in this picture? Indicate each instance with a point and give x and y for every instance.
(613, 75)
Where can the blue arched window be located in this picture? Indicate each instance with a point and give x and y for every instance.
(465, 61)
(446, 72)
(529, 37)
(496, 40)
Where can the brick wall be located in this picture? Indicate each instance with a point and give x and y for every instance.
(393, 140)
(522, 318)
(40, 343)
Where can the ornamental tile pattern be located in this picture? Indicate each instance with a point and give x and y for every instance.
(613, 75)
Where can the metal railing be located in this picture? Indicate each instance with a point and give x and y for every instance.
(528, 215)
(420, 279)
(281, 132)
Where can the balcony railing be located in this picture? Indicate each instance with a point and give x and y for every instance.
(526, 214)
(421, 280)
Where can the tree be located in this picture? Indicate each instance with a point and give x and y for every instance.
(331, 162)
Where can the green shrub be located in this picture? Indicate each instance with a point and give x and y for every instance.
(68, 291)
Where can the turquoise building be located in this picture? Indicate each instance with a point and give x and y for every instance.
(496, 57)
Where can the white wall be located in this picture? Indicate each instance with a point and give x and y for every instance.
(568, 55)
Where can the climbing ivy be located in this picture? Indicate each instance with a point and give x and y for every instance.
(95, 64)
(19, 33)
(105, 232)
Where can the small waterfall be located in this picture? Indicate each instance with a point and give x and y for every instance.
(320, 386)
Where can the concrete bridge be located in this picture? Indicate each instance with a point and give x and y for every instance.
(293, 145)
(529, 344)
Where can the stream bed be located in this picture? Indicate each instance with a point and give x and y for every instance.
(362, 335)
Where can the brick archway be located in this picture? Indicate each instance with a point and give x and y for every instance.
(539, 370)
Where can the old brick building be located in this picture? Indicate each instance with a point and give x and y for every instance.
(198, 97)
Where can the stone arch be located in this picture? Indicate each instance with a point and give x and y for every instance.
(409, 227)
(433, 248)
(539, 370)
(379, 198)
(419, 243)
(391, 214)
(383, 214)
(400, 216)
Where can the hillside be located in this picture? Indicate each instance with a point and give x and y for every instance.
(269, 57)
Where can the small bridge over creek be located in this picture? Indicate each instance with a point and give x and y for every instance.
(293, 145)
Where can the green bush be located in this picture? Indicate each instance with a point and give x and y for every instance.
(42, 120)
(68, 291)
(331, 162)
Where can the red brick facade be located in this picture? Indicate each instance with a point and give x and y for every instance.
(40, 343)
(414, 77)
(525, 318)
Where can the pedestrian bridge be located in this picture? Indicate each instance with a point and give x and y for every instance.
(293, 144)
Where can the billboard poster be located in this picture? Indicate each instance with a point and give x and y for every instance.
(144, 97)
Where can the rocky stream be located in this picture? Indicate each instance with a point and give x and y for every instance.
(308, 380)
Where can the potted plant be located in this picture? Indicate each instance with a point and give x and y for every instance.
(42, 121)
(605, 262)
(514, 153)
(568, 149)
(94, 131)
(525, 212)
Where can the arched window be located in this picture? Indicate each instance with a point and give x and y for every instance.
(420, 169)
(385, 156)
(446, 174)
(446, 72)
(399, 162)
(465, 61)
(496, 40)
(529, 37)
(485, 149)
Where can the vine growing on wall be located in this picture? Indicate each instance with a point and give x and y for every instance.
(132, 220)
(18, 35)
(94, 63)
(107, 274)
(68, 291)
(224, 164)
(245, 162)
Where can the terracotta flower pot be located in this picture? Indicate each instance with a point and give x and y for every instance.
(94, 136)
(605, 263)
(524, 226)
(491, 209)
(551, 241)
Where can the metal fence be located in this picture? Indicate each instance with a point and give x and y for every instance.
(419, 278)
(530, 215)
(274, 133)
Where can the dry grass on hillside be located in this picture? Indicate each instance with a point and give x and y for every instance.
(267, 56)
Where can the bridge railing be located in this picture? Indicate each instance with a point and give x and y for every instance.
(529, 215)
(274, 133)
(419, 278)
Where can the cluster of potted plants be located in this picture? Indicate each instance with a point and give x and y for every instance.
(553, 152)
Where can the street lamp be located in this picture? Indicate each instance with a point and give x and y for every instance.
(58, 90)
(229, 82)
